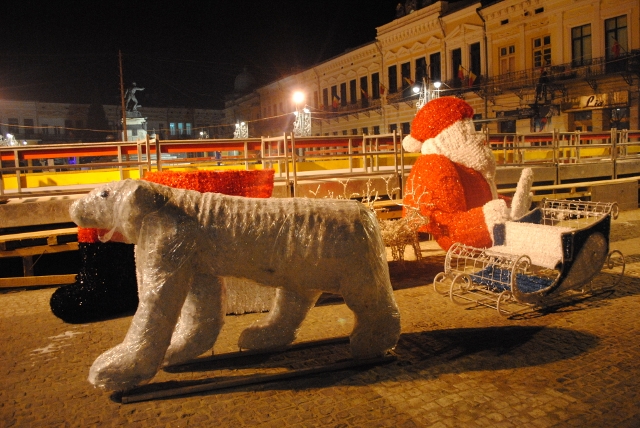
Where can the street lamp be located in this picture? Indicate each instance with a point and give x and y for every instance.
(424, 94)
(302, 124)
(298, 97)
(436, 93)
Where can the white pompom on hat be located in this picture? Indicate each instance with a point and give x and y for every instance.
(436, 116)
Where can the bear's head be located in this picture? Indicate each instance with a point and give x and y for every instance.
(119, 206)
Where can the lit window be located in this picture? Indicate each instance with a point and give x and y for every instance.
(172, 128)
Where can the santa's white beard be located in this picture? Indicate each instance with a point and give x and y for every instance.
(461, 144)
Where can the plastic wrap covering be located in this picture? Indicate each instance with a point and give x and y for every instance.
(186, 240)
(244, 296)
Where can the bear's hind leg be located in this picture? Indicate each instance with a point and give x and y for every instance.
(377, 318)
(201, 319)
(279, 328)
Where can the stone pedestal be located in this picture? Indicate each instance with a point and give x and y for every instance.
(136, 126)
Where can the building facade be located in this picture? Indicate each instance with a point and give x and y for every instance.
(523, 65)
(55, 123)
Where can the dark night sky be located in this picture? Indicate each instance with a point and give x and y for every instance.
(185, 53)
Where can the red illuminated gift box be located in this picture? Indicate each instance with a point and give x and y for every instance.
(106, 283)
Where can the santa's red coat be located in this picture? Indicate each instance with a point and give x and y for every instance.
(451, 196)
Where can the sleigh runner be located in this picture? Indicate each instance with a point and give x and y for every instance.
(550, 255)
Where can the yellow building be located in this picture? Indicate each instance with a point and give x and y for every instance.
(524, 65)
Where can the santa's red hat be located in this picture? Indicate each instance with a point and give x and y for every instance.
(444, 126)
(436, 116)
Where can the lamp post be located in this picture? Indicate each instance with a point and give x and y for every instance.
(436, 92)
(425, 94)
(302, 124)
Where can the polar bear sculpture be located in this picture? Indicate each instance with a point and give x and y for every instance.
(186, 240)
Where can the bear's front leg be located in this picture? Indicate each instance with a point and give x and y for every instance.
(164, 279)
(200, 321)
(279, 328)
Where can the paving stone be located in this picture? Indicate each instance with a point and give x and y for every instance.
(575, 366)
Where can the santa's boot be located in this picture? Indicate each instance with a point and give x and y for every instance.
(105, 286)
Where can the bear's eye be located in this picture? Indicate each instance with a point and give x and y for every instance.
(104, 194)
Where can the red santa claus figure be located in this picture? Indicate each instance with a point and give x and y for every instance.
(452, 183)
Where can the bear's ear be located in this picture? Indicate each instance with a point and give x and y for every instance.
(160, 199)
(146, 195)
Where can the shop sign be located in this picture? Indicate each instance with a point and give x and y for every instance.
(603, 100)
(594, 101)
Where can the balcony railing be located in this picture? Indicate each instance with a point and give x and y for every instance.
(558, 74)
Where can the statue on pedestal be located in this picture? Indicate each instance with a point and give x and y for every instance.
(130, 95)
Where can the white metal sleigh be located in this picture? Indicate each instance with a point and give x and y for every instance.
(551, 254)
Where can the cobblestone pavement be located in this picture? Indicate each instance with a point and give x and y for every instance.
(576, 366)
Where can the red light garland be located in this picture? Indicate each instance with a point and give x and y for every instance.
(250, 184)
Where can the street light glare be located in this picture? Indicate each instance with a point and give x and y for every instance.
(298, 97)
(437, 85)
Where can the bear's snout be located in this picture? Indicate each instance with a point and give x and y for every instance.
(89, 211)
(76, 211)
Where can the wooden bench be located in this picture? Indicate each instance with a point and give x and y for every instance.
(30, 245)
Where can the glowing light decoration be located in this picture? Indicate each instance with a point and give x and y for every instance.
(302, 124)
(425, 95)
(10, 140)
(242, 130)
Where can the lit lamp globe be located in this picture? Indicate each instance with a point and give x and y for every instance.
(437, 91)
(298, 97)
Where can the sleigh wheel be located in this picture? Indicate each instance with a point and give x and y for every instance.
(439, 286)
(460, 286)
(615, 260)
(504, 298)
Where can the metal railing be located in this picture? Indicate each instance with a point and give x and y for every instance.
(65, 168)
(73, 168)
